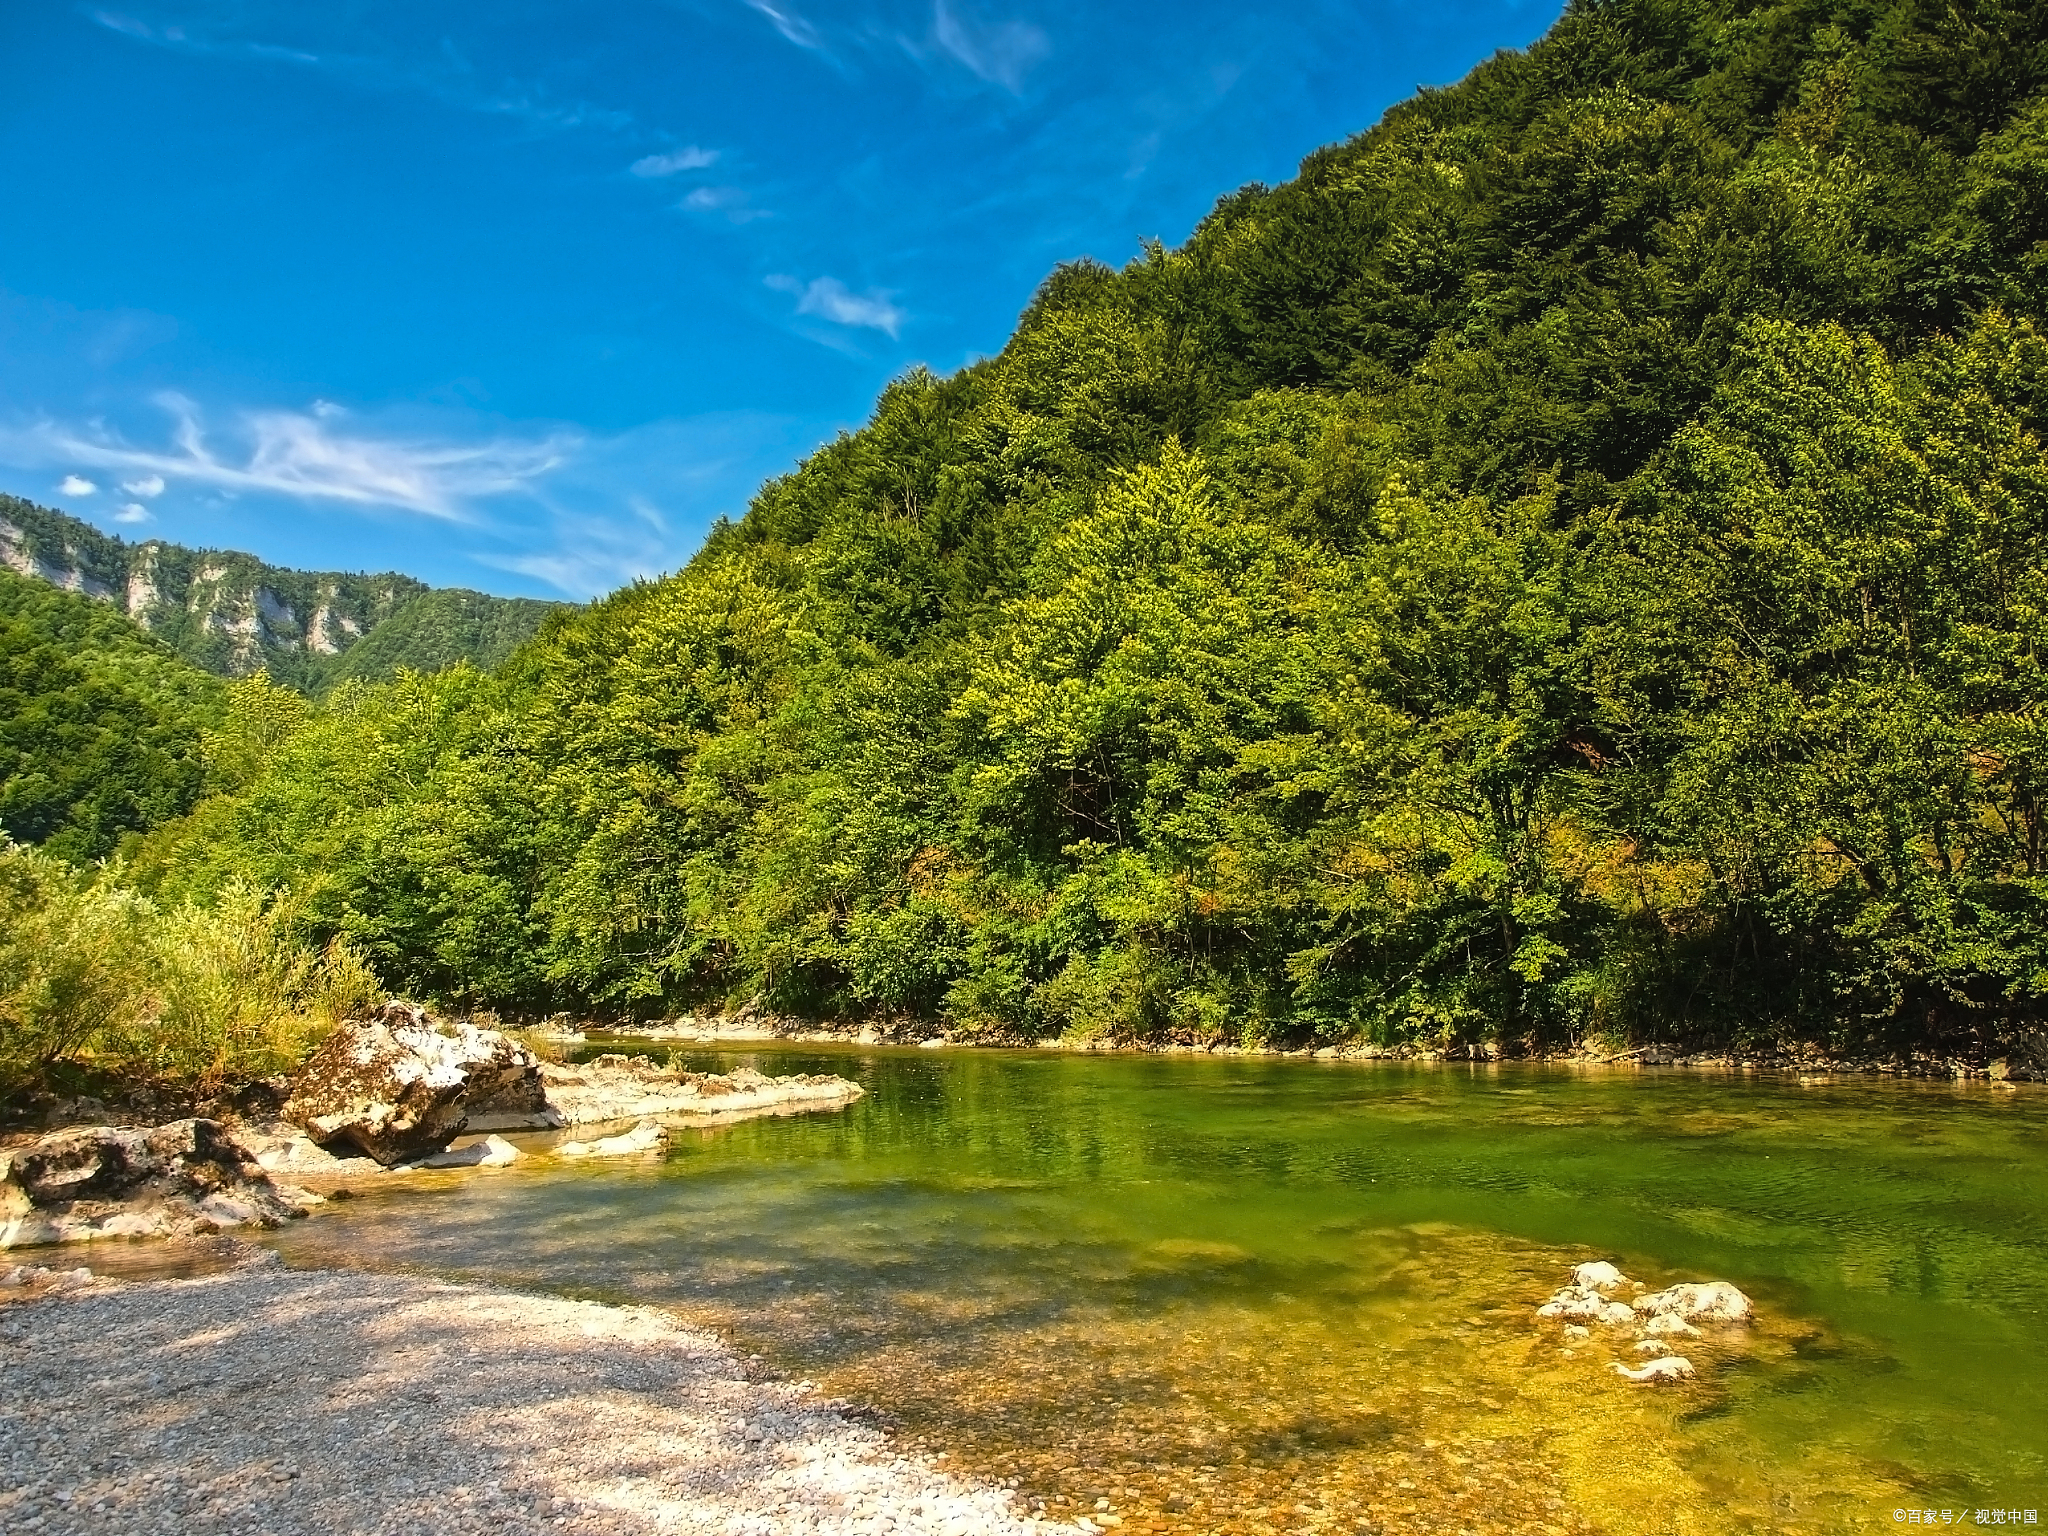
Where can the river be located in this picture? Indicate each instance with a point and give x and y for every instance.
(1250, 1295)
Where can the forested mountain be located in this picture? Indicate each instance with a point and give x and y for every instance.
(232, 614)
(1572, 559)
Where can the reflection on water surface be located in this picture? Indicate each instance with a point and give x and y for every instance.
(1254, 1295)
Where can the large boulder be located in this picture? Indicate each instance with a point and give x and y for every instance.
(99, 1181)
(397, 1086)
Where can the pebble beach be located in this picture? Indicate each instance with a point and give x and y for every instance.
(290, 1403)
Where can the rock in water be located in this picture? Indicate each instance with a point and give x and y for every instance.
(1667, 1324)
(1714, 1302)
(491, 1152)
(634, 1087)
(1659, 1372)
(1598, 1276)
(96, 1181)
(396, 1086)
(644, 1137)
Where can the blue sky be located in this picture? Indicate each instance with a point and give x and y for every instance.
(522, 296)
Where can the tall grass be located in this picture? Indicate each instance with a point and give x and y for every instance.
(98, 982)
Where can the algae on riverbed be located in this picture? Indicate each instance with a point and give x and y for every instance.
(1254, 1296)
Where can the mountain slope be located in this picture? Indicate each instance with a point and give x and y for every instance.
(1573, 560)
(231, 614)
(100, 724)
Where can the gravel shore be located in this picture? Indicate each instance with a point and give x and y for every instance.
(273, 1401)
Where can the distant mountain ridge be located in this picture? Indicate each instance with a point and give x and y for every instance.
(232, 614)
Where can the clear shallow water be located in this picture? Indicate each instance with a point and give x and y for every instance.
(1264, 1295)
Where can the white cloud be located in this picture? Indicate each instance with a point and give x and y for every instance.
(688, 158)
(830, 299)
(298, 454)
(75, 485)
(134, 512)
(730, 201)
(790, 25)
(1002, 52)
(148, 485)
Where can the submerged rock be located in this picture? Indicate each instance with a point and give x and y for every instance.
(1657, 1372)
(398, 1086)
(1660, 1316)
(187, 1177)
(644, 1137)
(1670, 1325)
(26, 1282)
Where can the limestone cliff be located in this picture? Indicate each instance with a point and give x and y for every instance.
(231, 614)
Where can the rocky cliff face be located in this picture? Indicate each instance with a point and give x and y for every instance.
(231, 614)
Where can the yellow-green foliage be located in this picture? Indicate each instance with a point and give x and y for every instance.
(97, 979)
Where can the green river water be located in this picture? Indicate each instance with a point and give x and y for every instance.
(1253, 1295)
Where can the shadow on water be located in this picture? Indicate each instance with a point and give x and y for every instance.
(1254, 1295)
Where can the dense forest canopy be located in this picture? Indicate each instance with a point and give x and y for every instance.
(1572, 560)
(100, 725)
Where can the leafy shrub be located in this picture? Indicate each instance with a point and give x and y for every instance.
(98, 979)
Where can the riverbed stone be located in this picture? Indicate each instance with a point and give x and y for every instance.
(647, 1136)
(1670, 1325)
(1663, 1372)
(1714, 1301)
(491, 1152)
(103, 1181)
(397, 1086)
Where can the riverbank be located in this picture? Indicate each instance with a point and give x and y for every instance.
(2027, 1064)
(286, 1402)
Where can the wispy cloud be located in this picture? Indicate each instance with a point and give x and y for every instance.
(790, 25)
(636, 503)
(75, 485)
(450, 79)
(601, 553)
(133, 512)
(688, 158)
(730, 201)
(1002, 52)
(148, 485)
(181, 37)
(306, 456)
(830, 299)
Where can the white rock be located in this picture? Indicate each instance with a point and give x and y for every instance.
(1577, 1331)
(1618, 1314)
(617, 1087)
(1715, 1301)
(1671, 1325)
(400, 1086)
(1573, 1302)
(932, 1044)
(644, 1137)
(1668, 1369)
(491, 1152)
(1598, 1276)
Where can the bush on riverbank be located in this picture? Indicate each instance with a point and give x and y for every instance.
(98, 982)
